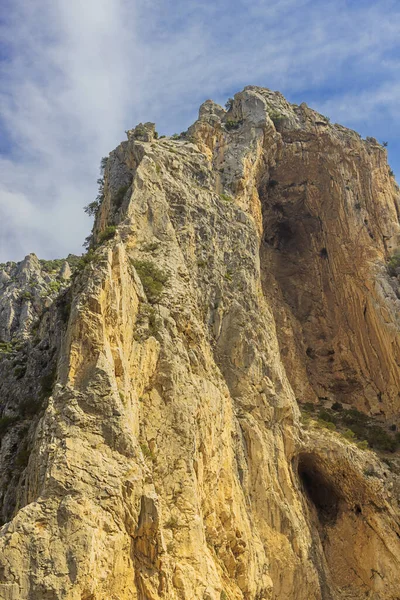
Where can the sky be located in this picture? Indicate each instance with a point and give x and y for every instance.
(74, 75)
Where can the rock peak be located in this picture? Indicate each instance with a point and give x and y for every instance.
(208, 408)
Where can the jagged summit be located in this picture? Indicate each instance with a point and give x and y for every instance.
(208, 408)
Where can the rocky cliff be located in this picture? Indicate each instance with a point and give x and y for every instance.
(208, 408)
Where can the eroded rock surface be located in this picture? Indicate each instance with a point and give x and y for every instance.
(235, 273)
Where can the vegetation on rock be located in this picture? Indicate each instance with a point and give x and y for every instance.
(354, 425)
(153, 279)
(120, 195)
(107, 234)
(92, 208)
(394, 263)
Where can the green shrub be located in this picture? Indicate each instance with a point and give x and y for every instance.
(19, 371)
(379, 439)
(147, 453)
(6, 347)
(276, 117)
(92, 208)
(107, 234)
(120, 195)
(228, 275)
(231, 124)
(148, 314)
(305, 418)
(52, 265)
(226, 198)
(307, 406)
(363, 445)
(139, 131)
(361, 427)
(72, 260)
(84, 260)
(327, 416)
(326, 424)
(88, 241)
(394, 263)
(229, 104)
(151, 247)
(153, 279)
(354, 416)
(55, 286)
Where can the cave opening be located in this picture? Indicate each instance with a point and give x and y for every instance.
(321, 492)
(284, 233)
(279, 234)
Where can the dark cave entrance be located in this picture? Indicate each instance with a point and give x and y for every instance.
(319, 490)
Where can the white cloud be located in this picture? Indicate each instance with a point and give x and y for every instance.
(357, 107)
(64, 106)
(78, 73)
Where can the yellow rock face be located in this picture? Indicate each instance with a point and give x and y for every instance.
(247, 270)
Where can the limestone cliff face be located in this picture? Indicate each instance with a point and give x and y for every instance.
(233, 271)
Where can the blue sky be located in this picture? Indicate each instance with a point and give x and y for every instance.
(75, 75)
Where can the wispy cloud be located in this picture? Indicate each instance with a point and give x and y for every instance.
(358, 107)
(76, 74)
(66, 79)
